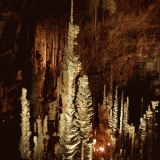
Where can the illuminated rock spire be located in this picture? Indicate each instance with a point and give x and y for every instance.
(84, 115)
(115, 112)
(24, 145)
(69, 137)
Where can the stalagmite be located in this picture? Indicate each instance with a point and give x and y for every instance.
(115, 113)
(104, 96)
(110, 119)
(69, 138)
(35, 151)
(154, 104)
(150, 132)
(39, 139)
(125, 117)
(131, 136)
(24, 145)
(45, 125)
(109, 109)
(42, 129)
(85, 112)
(143, 134)
(121, 113)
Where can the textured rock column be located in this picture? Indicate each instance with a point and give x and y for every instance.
(24, 145)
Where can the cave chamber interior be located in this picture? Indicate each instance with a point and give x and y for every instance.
(79, 79)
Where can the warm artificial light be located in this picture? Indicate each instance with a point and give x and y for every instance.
(101, 149)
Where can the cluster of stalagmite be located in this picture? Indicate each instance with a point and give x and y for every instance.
(120, 139)
(24, 145)
(39, 141)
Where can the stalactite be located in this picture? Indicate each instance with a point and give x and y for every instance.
(24, 145)
(53, 46)
(49, 37)
(94, 6)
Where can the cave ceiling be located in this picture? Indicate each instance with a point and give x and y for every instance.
(117, 37)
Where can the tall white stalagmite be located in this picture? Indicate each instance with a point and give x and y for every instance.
(125, 117)
(24, 145)
(35, 151)
(131, 136)
(121, 113)
(109, 109)
(69, 138)
(110, 101)
(84, 114)
(110, 118)
(115, 113)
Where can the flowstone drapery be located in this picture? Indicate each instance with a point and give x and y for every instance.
(24, 145)
(84, 115)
